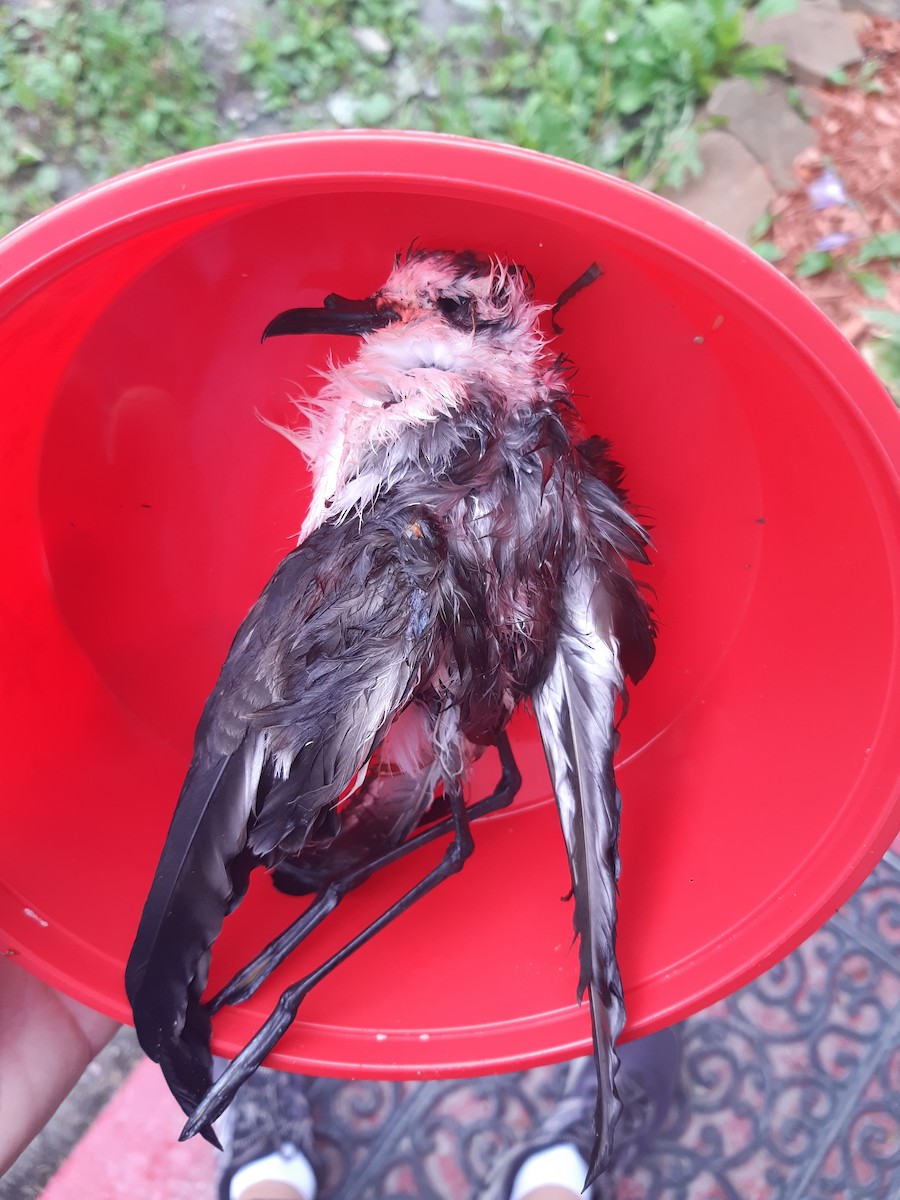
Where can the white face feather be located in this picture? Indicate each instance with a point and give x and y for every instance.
(418, 370)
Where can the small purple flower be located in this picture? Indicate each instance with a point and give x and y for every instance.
(827, 191)
(833, 241)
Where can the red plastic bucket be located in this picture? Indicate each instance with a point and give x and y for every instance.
(145, 505)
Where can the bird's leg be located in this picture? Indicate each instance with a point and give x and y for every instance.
(251, 977)
(222, 1092)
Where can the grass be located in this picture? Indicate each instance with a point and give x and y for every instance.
(301, 55)
(87, 90)
(610, 83)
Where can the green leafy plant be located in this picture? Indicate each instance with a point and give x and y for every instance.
(770, 251)
(881, 247)
(866, 78)
(759, 242)
(92, 90)
(873, 285)
(301, 53)
(611, 84)
(883, 350)
(878, 248)
(882, 347)
(773, 8)
(815, 262)
(87, 90)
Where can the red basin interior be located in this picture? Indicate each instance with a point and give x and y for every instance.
(147, 504)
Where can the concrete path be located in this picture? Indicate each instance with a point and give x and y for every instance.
(759, 131)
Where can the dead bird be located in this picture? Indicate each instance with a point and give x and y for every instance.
(467, 549)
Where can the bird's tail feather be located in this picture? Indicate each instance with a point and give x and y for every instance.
(576, 711)
(191, 893)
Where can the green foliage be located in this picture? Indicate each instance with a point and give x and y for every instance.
(103, 88)
(770, 251)
(88, 89)
(873, 285)
(881, 247)
(761, 226)
(610, 83)
(773, 8)
(301, 53)
(815, 262)
(884, 350)
(865, 78)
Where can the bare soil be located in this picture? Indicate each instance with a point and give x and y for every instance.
(858, 132)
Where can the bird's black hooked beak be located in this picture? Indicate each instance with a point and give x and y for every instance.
(337, 315)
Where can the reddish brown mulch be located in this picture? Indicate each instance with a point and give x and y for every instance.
(859, 141)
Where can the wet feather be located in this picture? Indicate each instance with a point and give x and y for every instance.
(465, 550)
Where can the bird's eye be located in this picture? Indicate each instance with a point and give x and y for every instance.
(452, 308)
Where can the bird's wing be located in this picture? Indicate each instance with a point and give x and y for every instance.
(193, 888)
(329, 654)
(575, 708)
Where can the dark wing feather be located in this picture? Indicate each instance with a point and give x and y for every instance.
(351, 668)
(576, 712)
(293, 717)
(623, 540)
(191, 892)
